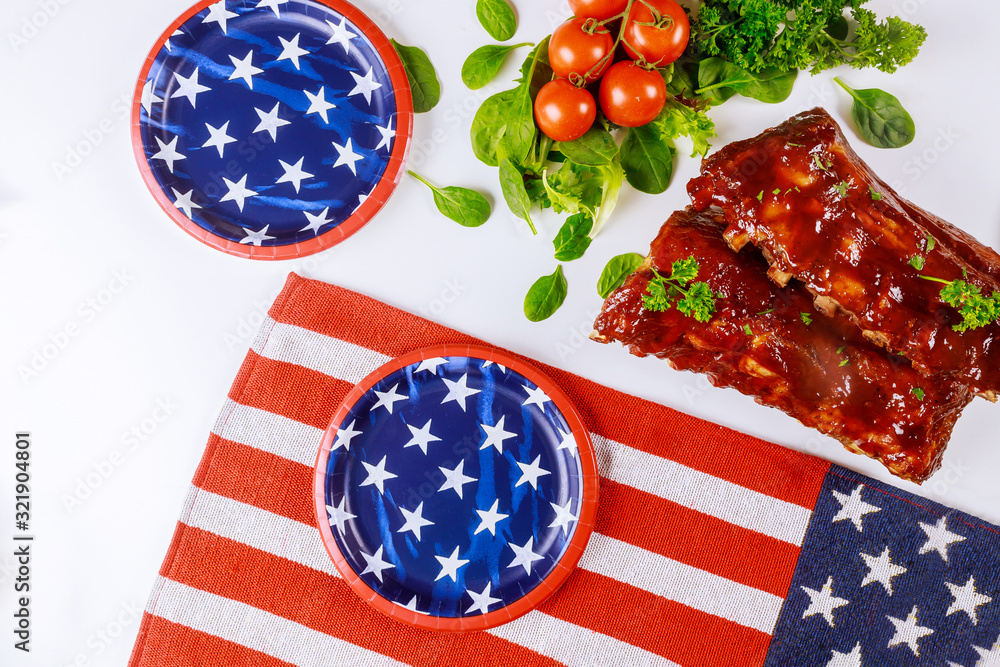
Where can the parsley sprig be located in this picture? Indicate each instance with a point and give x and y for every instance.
(977, 309)
(694, 299)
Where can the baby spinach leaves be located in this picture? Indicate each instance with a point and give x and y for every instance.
(545, 296)
(466, 207)
(719, 79)
(616, 271)
(880, 118)
(498, 18)
(484, 63)
(573, 238)
(648, 160)
(424, 85)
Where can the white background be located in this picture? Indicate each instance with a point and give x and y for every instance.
(179, 329)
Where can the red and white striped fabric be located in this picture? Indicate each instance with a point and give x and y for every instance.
(696, 541)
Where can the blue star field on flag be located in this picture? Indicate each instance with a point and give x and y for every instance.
(268, 122)
(888, 578)
(454, 486)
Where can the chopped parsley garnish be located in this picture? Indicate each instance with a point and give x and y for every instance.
(931, 243)
(977, 310)
(693, 299)
(789, 143)
(747, 330)
(876, 196)
(918, 392)
(777, 191)
(917, 262)
(842, 188)
(760, 197)
(841, 349)
(767, 312)
(844, 362)
(819, 163)
(806, 318)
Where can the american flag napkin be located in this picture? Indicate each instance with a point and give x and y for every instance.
(710, 547)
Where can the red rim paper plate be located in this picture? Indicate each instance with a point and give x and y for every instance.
(272, 129)
(456, 488)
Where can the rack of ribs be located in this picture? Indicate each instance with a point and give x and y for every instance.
(817, 212)
(820, 370)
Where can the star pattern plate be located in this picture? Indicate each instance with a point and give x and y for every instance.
(272, 129)
(456, 488)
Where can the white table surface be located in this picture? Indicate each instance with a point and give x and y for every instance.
(178, 329)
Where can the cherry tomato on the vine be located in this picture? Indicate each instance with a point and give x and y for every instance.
(664, 41)
(632, 96)
(601, 10)
(563, 111)
(572, 50)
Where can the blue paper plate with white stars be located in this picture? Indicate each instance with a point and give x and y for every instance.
(456, 488)
(272, 129)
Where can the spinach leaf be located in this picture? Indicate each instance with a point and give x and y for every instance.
(514, 193)
(519, 138)
(719, 79)
(545, 296)
(488, 125)
(536, 68)
(648, 159)
(881, 119)
(484, 63)
(616, 271)
(594, 149)
(498, 18)
(573, 238)
(423, 79)
(466, 207)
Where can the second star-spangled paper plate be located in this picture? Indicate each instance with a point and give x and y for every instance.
(456, 488)
(272, 129)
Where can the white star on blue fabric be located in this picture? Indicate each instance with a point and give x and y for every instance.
(387, 399)
(881, 570)
(852, 659)
(481, 601)
(339, 516)
(189, 88)
(564, 517)
(908, 631)
(238, 192)
(566, 441)
(290, 50)
(269, 121)
(365, 85)
(853, 508)
(167, 45)
(218, 137)
(421, 436)
(531, 472)
(244, 69)
(414, 521)
(967, 599)
(316, 221)
(347, 156)
(524, 555)
(375, 564)
(218, 13)
(939, 538)
(823, 602)
(377, 475)
(255, 238)
(294, 173)
(455, 479)
(345, 434)
(450, 565)
(495, 435)
(318, 104)
(184, 202)
(341, 35)
(431, 364)
(458, 391)
(488, 519)
(168, 153)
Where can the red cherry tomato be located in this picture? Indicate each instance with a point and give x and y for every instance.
(632, 96)
(601, 10)
(659, 44)
(574, 51)
(563, 111)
